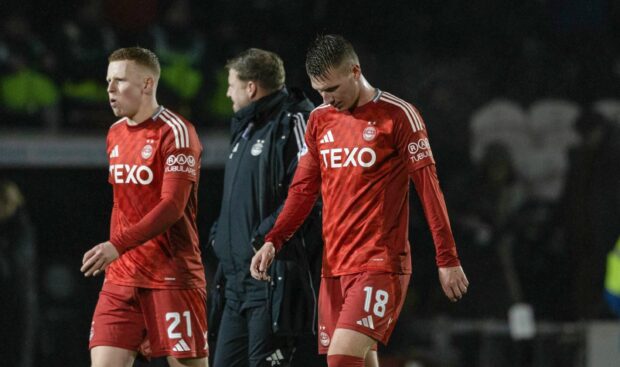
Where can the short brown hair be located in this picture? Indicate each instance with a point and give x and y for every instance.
(327, 52)
(139, 55)
(264, 67)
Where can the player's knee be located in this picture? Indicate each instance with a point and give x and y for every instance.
(341, 360)
(350, 342)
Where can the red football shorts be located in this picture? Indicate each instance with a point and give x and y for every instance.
(366, 302)
(173, 321)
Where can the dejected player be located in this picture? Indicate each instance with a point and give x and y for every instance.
(154, 287)
(363, 146)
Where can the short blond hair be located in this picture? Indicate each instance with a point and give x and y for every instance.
(140, 56)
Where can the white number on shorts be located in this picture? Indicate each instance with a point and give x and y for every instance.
(176, 320)
(381, 299)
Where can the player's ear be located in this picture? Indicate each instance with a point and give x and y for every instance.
(357, 71)
(251, 89)
(149, 85)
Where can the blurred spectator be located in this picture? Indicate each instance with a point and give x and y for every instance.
(538, 141)
(590, 210)
(86, 40)
(502, 121)
(18, 279)
(552, 133)
(612, 279)
(499, 196)
(499, 191)
(181, 47)
(28, 97)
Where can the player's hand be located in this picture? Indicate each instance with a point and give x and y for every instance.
(262, 260)
(98, 258)
(454, 282)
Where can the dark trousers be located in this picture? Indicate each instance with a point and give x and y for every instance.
(245, 338)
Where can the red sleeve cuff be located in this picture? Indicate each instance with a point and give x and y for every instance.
(276, 243)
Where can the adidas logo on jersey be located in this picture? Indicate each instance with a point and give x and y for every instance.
(328, 138)
(114, 153)
(181, 346)
(367, 321)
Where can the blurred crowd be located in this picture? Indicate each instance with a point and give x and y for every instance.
(521, 102)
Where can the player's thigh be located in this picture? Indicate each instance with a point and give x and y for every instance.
(351, 343)
(371, 359)
(176, 322)
(188, 362)
(105, 356)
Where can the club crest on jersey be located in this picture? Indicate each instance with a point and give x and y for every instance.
(257, 148)
(369, 133)
(147, 151)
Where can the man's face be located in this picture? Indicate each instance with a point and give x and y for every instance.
(339, 87)
(237, 91)
(126, 86)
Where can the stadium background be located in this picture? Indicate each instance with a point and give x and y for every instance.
(512, 92)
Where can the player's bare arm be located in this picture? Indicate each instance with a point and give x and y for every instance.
(98, 258)
(453, 282)
(262, 260)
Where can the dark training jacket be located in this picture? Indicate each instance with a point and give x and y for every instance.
(266, 138)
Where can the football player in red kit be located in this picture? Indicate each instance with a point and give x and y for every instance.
(363, 146)
(154, 287)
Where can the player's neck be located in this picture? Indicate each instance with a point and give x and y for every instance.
(367, 92)
(145, 112)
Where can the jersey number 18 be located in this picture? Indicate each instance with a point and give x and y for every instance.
(381, 299)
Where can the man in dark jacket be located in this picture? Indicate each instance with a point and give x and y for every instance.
(262, 323)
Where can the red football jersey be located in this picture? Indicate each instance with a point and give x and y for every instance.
(363, 161)
(141, 157)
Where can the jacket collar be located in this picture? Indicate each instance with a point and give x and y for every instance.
(259, 111)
